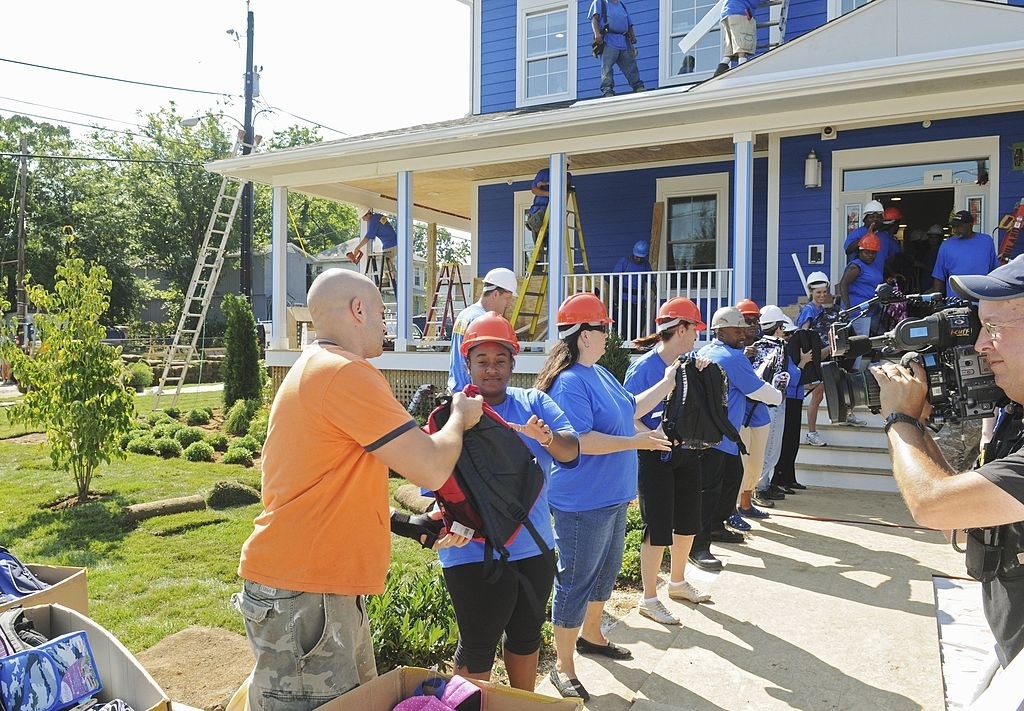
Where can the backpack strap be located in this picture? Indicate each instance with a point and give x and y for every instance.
(717, 415)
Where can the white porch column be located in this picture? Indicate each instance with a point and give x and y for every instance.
(743, 214)
(403, 268)
(279, 267)
(556, 241)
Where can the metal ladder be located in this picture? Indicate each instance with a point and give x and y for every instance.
(531, 303)
(453, 290)
(180, 353)
(381, 269)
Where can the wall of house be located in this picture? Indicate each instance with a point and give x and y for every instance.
(802, 16)
(805, 215)
(611, 226)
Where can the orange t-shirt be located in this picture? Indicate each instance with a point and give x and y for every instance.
(325, 524)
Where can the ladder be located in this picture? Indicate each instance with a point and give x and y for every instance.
(381, 269)
(531, 303)
(452, 289)
(1011, 225)
(180, 353)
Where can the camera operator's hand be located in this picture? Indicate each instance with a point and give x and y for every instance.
(902, 389)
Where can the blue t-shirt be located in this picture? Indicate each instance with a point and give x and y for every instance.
(642, 375)
(519, 405)
(819, 318)
(633, 287)
(739, 7)
(458, 370)
(756, 414)
(795, 389)
(617, 21)
(863, 286)
(378, 227)
(594, 401)
(544, 177)
(743, 381)
(887, 245)
(965, 256)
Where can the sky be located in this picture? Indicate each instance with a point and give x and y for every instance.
(353, 66)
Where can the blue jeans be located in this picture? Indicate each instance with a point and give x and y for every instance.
(590, 545)
(773, 447)
(627, 65)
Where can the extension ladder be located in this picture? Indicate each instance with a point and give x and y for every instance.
(381, 269)
(531, 303)
(452, 289)
(180, 353)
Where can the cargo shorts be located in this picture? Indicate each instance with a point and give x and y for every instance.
(309, 647)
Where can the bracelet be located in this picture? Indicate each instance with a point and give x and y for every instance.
(547, 444)
(895, 417)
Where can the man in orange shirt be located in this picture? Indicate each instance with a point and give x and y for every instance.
(323, 540)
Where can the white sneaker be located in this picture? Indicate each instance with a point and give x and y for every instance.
(815, 440)
(854, 421)
(685, 591)
(655, 610)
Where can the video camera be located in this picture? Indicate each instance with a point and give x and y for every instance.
(960, 383)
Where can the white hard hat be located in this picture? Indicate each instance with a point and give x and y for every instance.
(873, 206)
(728, 316)
(815, 278)
(788, 326)
(502, 278)
(771, 314)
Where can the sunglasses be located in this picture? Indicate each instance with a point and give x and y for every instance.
(601, 327)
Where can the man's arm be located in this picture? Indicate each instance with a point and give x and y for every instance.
(428, 460)
(596, 24)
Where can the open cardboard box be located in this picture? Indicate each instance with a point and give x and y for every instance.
(386, 690)
(122, 675)
(68, 587)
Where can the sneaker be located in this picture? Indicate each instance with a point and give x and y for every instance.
(752, 512)
(736, 521)
(722, 68)
(854, 421)
(685, 591)
(760, 497)
(815, 440)
(655, 610)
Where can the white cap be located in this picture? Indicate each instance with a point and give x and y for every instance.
(728, 316)
(502, 278)
(815, 278)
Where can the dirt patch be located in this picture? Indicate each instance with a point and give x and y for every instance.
(30, 438)
(200, 666)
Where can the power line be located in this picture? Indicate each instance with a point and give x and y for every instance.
(125, 81)
(73, 123)
(69, 111)
(301, 118)
(35, 156)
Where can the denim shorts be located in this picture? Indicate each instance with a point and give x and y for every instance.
(309, 647)
(589, 545)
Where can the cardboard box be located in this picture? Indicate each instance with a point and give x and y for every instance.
(122, 675)
(385, 691)
(68, 587)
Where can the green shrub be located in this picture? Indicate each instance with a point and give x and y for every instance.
(167, 447)
(413, 622)
(237, 455)
(167, 429)
(231, 493)
(189, 435)
(124, 439)
(250, 443)
(241, 368)
(198, 451)
(173, 412)
(157, 416)
(218, 440)
(198, 417)
(630, 571)
(144, 444)
(239, 416)
(634, 520)
(258, 426)
(615, 358)
(141, 375)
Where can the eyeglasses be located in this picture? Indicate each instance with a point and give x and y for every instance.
(994, 330)
(601, 327)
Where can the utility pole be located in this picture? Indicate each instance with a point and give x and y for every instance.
(22, 192)
(245, 246)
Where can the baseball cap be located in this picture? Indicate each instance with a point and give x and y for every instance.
(962, 216)
(1000, 284)
(728, 316)
(501, 278)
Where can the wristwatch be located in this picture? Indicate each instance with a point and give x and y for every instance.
(895, 417)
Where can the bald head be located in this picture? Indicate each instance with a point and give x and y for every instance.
(334, 299)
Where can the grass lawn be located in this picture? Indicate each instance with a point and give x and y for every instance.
(150, 581)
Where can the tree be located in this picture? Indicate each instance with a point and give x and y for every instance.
(242, 373)
(449, 247)
(76, 384)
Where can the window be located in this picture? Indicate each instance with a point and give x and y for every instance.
(837, 8)
(545, 57)
(692, 227)
(679, 17)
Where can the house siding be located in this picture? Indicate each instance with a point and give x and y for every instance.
(498, 56)
(802, 16)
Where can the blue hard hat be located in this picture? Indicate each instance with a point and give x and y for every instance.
(641, 249)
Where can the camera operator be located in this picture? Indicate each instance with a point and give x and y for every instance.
(989, 499)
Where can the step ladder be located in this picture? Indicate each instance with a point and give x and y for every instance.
(182, 350)
(448, 300)
(380, 268)
(530, 309)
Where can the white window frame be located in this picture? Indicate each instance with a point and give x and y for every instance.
(665, 54)
(835, 8)
(531, 7)
(716, 184)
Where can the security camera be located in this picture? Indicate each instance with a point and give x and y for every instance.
(828, 133)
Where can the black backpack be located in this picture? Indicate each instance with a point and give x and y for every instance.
(696, 413)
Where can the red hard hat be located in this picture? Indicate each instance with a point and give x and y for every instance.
(679, 309)
(870, 242)
(491, 327)
(891, 214)
(747, 307)
(582, 308)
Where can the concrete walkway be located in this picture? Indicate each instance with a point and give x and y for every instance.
(828, 605)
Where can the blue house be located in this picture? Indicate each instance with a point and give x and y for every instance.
(743, 183)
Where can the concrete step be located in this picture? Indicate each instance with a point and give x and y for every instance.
(843, 476)
(860, 457)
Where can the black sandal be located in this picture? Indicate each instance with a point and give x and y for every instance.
(568, 687)
(610, 650)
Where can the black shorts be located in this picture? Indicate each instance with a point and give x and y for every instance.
(670, 495)
(485, 610)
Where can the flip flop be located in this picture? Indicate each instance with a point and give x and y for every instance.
(568, 687)
(610, 650)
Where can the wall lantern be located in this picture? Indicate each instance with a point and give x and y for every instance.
(812, 171)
